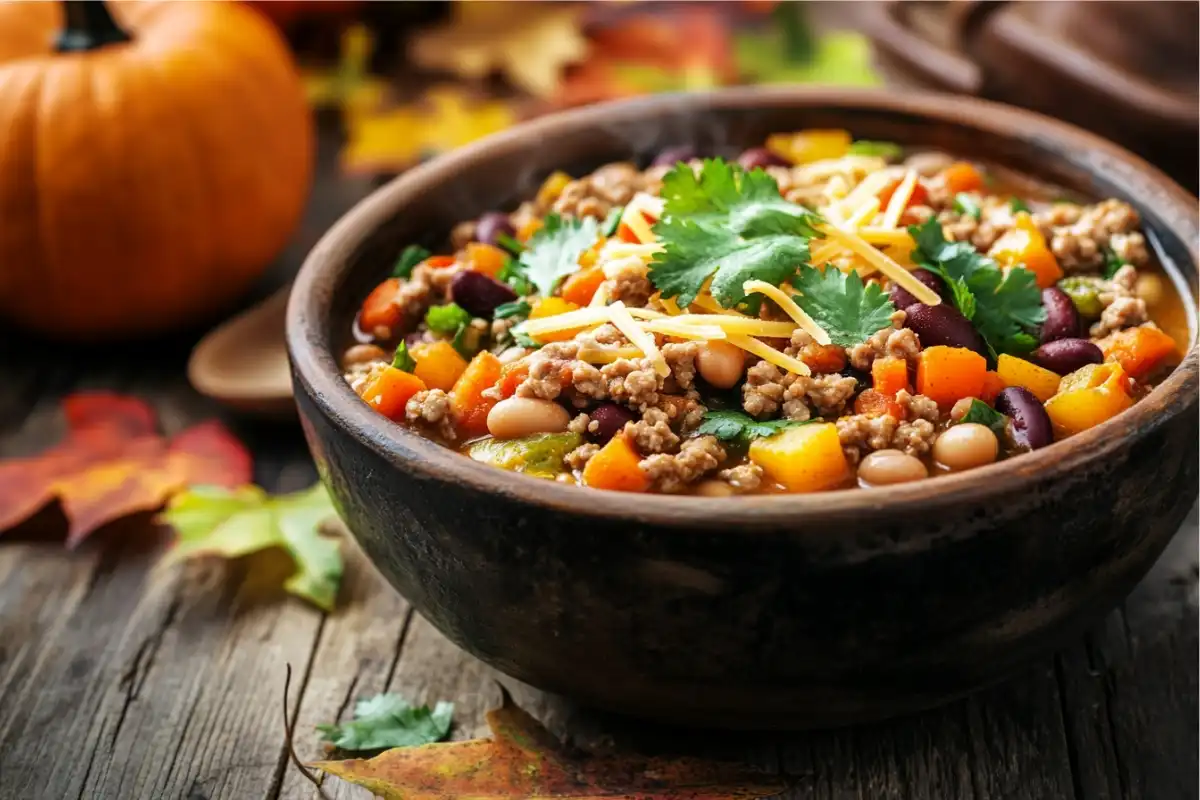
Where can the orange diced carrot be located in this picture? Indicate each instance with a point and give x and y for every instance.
(961, 176)
(380, 309)
(889, 375)
(389, 390)
(1140, 350)
(468, 406)
(616, 467)
(581, 286)
(948, 374)
(485, 258)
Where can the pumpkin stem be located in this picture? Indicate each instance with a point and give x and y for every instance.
(88, 25)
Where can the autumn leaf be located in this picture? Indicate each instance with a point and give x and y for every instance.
(388, 720)
(388, 141)
(113, 463)
(348, 86)
(837, 57)
(524, 760)
(530, 43)
(213, 521)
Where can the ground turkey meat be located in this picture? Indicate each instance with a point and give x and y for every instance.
(652, 433)
(995, 220)
(596, 194)
(894, 342)
(1078, 235)
(673, 473)
(627, 280)
(681, 358)
(550, 370)
(762, 393)
(828, 394)
(633, 382)
(1122, 307)
(577, 459)
(918, 406)
(430, 409)
(861, 434)
(743, 478)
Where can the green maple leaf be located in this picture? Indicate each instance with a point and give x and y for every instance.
(846, 308)
(388, 720)
(211, 521)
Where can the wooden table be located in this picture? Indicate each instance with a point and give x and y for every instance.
(118, 681)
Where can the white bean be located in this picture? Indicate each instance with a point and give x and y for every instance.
(885, 467)
(966, 446)
(525, 416)
(721, 364)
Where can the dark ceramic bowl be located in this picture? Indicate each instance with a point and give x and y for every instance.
(806, 610)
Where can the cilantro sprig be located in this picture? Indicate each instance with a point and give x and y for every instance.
(402, 359)
(409, 258)
(740, 428)
(1003, 305)
(728, 225)
(846, 308)
(553, 252)
(983, 414)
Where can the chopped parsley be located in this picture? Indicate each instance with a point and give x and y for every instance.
(409, 258)
(466, 340)
(1016, 205)
(846, 308)
(553, 252)
(729, 225)
(513, 273)
(735, 426)
(517, 308)
(1112, 262)
(983, 414)
(525, 340)
(510, 244)
(612, 222)
(866, 147)
(446, 319)
(965, 203)
(402, 360)
(1003, 305)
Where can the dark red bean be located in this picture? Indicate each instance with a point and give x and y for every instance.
(491, 226)
(1062, 320)
(1064, 356)
(760, 157)
(610, 418)
(945, 325)
(902, 298)
(673, 155)
(1030, 428)
(478, 294)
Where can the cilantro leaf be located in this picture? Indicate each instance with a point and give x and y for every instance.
(466, 341)
(1001, 304)
(510, 244)
(388, 720)
(849, 310)
(966, 204)
(411, 256)
(866, 147)
(553, 252)
(748, 203)
(612, 222)
(983, 414)
(513, 273)
(735, 426)
(446, 319)
(402, 360)
(1112, 262)
(525, 340)
(1017, 205)
(516, 308)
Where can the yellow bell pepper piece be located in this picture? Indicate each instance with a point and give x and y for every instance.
(1018, 372)
(811, 145)
(806, 458)
(552, 307)
(1025, 246)
(438, 364)
(1088, 397)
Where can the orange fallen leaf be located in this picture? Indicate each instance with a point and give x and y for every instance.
(530, 43)
(524, 760)
(113, 463)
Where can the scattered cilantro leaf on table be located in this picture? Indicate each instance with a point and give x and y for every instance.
(388, 720)
(553, 252)
(735, 426)
(402, 359)
(846, 308)
(235, 522)
(983, 414)
(1003, 305)
(409, 258)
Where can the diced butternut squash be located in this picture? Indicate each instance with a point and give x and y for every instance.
(993, 384)
(1018, 372)
(389, 390)
(552, 187)
(380, 309)
(876, 404)
(948, 374)
(439, 262)
(824, 358)
(1025, 246)
(1088, 397)
(616, 468)
(579, 287)
(485, 258)
(511, 376)
(804, 147)
(805, 458)
(438, 364)
(468, 406)
(889, 375)
(528, 229)
(961, 176)
(552, 307)
(1140, 351)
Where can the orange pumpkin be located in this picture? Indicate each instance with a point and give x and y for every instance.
(151, 166)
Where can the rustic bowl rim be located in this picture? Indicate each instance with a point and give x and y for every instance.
(315, 367)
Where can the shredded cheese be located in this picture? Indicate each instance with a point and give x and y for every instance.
(670, 327)
(899, 238)
(632, 218)
(789, 307)
(863, 193)
(645, 313)
(579, 318)
(767, 353)
(600, 296)
(887, 266)
(670, 305)
(746, 325)
(864, 213)
(616, 248)
(709, 303)
(633, 332)
(606, 355)
(900, 198)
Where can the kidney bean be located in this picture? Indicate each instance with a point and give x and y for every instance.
(760, 157)
(610, 418)
(1062, 320)
(1064, 356)
(902, 298)
(491, 226)
(1030, 427)
(673, 155)
(478, 294)
(943, 324)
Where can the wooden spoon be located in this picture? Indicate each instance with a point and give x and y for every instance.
(243, 362)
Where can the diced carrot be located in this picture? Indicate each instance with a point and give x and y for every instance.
(961, 176)
(389, 390)
(1024, 245)
(485, 258)
(579, 287)
(511, 376)
(919, 196)
(889, 375)
(1041, 382)
(824, 358)
(438, 364)
(551, 307)
(1140, 351)
(468, 406)
(528, 229)
(948, 374)
(626, 234)
(380, 309)
(439, 262)
(876, 404)
(993, 384)
(616, 467)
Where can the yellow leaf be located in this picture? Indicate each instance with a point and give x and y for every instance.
(347, 86)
